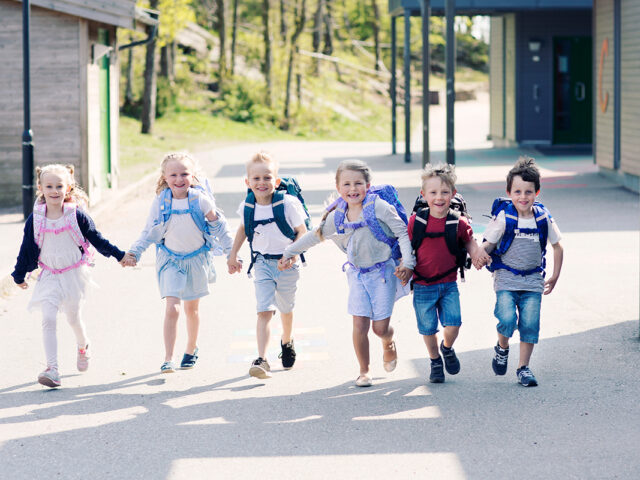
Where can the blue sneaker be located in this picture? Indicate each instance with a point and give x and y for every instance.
(188, 360)
(451, 362)
(526, 377)
(437, 371)
(500, 359)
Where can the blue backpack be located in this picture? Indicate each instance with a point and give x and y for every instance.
(288, 186)
(389, 194)
(542, 217)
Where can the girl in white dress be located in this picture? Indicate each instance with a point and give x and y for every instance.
(57, 237)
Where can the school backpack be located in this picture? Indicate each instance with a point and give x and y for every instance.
(389, 194)
(457, 209)
(542, 217)
(287, 186)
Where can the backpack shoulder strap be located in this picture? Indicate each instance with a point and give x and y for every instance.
(277, 204)
(419, 228)
(39, 219)
(369, 214)
(164, 205)
(451, 232)
(339, 215)
(194, 208)
(543, 217)
(71, 219)
(249, 214)
(511, 224)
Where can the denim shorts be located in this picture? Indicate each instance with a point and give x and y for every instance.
(275, 289)
(527, 319)
(372, 294)
(440, 301)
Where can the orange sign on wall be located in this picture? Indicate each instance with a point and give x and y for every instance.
(604, 51)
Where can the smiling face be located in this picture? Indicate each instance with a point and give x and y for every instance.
(523, 194)
(54, 186)
(179, 176)
(352, 187)
(262, 179)
(438, 196)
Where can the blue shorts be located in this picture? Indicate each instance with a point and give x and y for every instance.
(527, 320)
(440, 301)
(372, 294)
(275, 289)
(186, 279)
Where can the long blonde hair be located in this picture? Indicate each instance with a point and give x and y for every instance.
(353, 165)
(182, 157)
(75, 194)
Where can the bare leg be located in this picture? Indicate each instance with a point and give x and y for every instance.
(193, 324)
(171, 314)
(361, 342)
(263, 332)
(385, 331)
(431, 341)
(503, 341)
(287, 327)
(526, 349)
(450, 335)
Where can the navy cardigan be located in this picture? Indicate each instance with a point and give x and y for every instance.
(29, 251)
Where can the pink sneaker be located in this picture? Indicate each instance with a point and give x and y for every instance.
(49, 378)
(83, 359)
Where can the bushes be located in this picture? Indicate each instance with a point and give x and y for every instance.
(242, 100)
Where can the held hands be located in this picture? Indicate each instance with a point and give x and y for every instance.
(234, 264)
(286, 263)
(403, 273)
(481, 259)
(129, 260)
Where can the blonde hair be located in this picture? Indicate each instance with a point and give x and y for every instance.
(445, 172)
(182, 157)
(265, 158)
(75, 193)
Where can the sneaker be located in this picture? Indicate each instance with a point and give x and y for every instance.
(525, 377)
(451, 362)
(364, 380)
(260, 368)
(499, 362)
(437, 371)
(167, 367)
(50, 378)
(82, 360)
(288, 354)
(188, 360)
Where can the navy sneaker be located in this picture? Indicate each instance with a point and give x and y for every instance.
(437, 371)
(451, 362)
(288, 354)
(500, 359)
(188, 360)
(525, 377)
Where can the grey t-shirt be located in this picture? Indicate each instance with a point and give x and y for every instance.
(524, 254)
(361, 246)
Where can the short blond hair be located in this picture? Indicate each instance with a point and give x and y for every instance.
(265, 158)
(445, 172)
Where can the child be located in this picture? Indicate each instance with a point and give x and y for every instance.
(516, 237)
(187, 229)
(435, 291)
(372, 285)
(56, 237)
(270, 224)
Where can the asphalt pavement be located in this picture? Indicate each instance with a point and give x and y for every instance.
(123, 419)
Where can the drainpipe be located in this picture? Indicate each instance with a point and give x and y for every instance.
(27, 134)
(152, 33)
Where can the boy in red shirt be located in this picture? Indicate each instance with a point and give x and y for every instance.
(435, 291)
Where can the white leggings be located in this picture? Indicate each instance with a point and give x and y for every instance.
(49, 323)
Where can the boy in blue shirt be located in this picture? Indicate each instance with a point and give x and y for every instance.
(516, 239)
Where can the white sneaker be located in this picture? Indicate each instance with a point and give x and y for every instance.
(364, 380)
(260, 368)
(49, 378)
(82, 361)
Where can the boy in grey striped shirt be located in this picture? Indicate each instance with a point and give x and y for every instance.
(515, 237)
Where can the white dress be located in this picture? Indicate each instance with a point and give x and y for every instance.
(66, 289)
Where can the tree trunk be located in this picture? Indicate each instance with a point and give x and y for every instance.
(328, 30)
(128, 91)
(222, 32)
(266, 65)
(283, 22)
(149, 97)
(164, 61)
(317, 33)
(234, 30)
(301, 18)
(376, 31)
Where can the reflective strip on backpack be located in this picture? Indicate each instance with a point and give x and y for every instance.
(512, 217)
(451, 222)
(279, 202)
(420, 219)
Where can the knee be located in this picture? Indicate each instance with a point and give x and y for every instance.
(172, 311)
(381, 329)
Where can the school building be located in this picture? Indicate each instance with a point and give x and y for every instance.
(562, 74)
(74, 88)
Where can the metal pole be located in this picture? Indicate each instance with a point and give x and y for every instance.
(426, 64)
(27, 134)
(450, 73)
(394, 102)
(407, 86)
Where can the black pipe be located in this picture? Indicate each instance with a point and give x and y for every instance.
(27, 134)
(426, 70)
(450, 67)
(407, 86)
(393, 85)
(152, 35)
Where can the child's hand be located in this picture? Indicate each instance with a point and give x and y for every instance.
(234, 264)
(129, 260)
(549, 285)
(23, 285)
(403, 273)
(286, 263)
(481, 259)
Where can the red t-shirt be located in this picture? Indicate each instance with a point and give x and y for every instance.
(433, 256)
